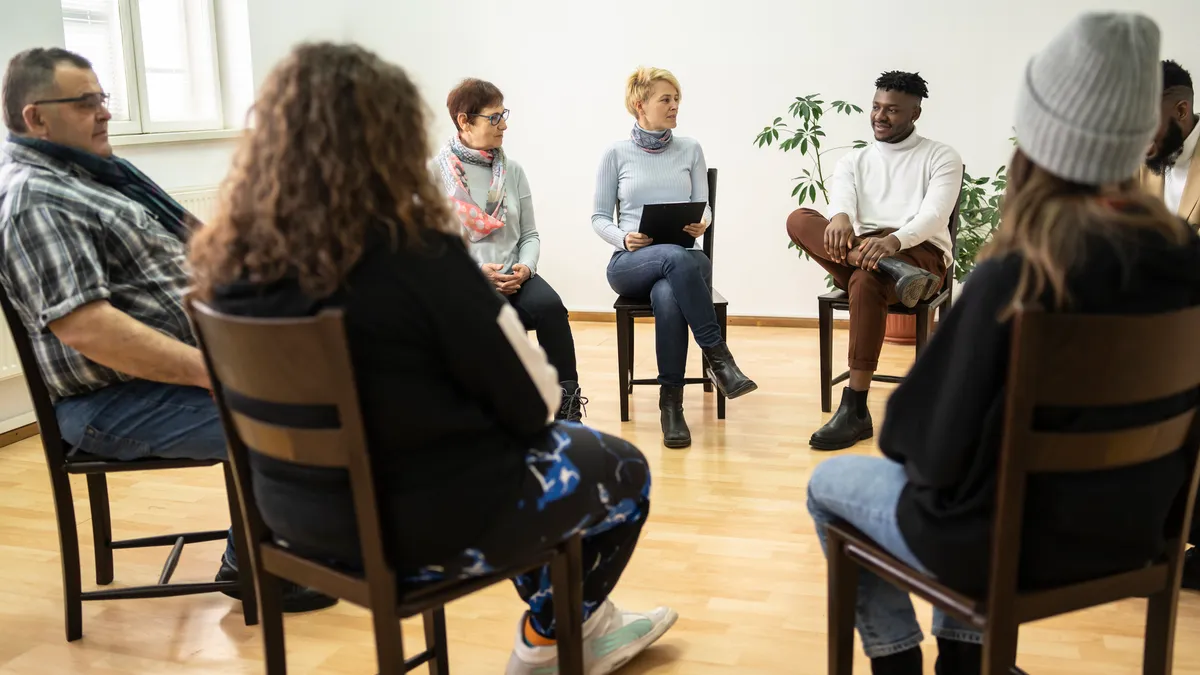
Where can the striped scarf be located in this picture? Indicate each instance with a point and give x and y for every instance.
(478, 222)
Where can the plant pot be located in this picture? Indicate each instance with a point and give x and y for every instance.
(900, 329)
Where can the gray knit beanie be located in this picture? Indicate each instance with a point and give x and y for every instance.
(1088, 106)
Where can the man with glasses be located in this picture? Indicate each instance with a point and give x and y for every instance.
(92, 257)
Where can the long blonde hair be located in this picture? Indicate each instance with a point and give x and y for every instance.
(338, 146)
(1047, 221)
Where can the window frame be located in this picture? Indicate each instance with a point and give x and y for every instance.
(136, 81)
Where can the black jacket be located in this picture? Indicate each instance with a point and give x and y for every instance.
(944, 424)
(447, 404)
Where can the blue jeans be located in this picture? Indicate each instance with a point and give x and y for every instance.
(864, 492)
(676, 281)
(141, 419)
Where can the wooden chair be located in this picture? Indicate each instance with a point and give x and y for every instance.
(1054, 359)
(629, 308)
(840, 300)
(286, 389)
(62, 464)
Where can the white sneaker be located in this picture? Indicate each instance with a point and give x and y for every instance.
(611, 638)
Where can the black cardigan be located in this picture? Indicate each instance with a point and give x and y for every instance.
(944, 423)
(448, 406)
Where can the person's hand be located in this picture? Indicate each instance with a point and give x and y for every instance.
(520, 274)
(874, 249)
(696, 229)
(500, 281)
(636, 240)
(839, 237)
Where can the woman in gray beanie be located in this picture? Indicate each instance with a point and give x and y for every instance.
(1077, 235)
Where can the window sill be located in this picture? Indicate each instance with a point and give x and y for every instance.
(177, 137)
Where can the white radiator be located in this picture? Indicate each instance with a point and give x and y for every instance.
(202, 202)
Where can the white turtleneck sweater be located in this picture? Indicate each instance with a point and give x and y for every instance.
(911, 186)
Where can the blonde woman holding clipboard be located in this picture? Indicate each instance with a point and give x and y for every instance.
(653, 166)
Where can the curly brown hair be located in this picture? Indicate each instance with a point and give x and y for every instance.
(338, 146)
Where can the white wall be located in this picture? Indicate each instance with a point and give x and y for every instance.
(562, 67)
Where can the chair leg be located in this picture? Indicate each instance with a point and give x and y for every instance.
(924, 315)
(435, 641)
(1158, 656)
(101, 527)
(566, 578)
(842, 599)
(389, 641)
(271, 608)
(242, 549)
(723, 321)
(68, 546)
(1000, 647)
(624, 361)
(825, 328)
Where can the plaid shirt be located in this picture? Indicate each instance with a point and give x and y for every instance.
(66, 241)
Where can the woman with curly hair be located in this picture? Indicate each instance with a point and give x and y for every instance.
(330, 204)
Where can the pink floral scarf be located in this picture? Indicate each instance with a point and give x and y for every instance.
(478, 222)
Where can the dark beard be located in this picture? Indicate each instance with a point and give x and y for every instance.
(1168, 150)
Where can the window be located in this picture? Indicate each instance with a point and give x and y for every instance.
(157, 58)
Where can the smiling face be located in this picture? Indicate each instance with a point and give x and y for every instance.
(894, 115)
(660, 109)
(477, 131)
(81, 124)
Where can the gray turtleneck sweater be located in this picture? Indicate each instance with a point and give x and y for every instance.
(629, 178)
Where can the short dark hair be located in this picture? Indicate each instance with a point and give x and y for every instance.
(1176, 80)
(471, 96)
(908, 83)
(30, 73)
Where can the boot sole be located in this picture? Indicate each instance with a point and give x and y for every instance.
(741, 391)
(675, 445)
(916, 290)
(816, 444)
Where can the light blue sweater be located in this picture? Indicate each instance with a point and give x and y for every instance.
(518, 241)
(629, 178)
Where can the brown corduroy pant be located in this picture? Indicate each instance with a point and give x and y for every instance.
(870, 292)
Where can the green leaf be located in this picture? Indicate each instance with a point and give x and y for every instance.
(856, 108)
(797, 189)
(777, 120)
(859, 145)
(803, 195)
(812, 193)
(816, 143)
(804, 146)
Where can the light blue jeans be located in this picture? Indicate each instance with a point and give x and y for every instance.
(141, 419)
(863, 492)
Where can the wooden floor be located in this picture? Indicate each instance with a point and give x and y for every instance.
(729, 544)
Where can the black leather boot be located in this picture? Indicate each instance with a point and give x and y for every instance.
(574, 403)
(849, 425)
(913, 284)
(725, 373)
(675, 429)
(907, 662)
(296, 598)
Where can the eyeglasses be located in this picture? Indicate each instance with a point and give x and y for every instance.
(92, 101)
(494, 118)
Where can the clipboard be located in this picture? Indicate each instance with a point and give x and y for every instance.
(664, 223)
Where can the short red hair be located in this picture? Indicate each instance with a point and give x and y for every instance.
(471, 96)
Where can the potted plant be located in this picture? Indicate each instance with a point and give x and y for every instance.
(979, 203)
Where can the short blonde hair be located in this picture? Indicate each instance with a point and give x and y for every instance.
(637, 89)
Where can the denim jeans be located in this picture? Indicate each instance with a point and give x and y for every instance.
(864, 492)
(676, 281)
(141, 419)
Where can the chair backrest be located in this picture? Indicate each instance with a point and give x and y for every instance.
(43, 405)
(286, 389)
(953, 225)
(710, 233)
(1090, 361)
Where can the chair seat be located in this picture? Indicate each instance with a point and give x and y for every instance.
(82, 462)
(634, 304)
(841, 300)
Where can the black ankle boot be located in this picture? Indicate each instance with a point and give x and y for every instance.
(907, 662)
(296, 598)
(849, 425)
(958, 658)
(726, 374)
(913, 284)
(574, 403)
(675, 429)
